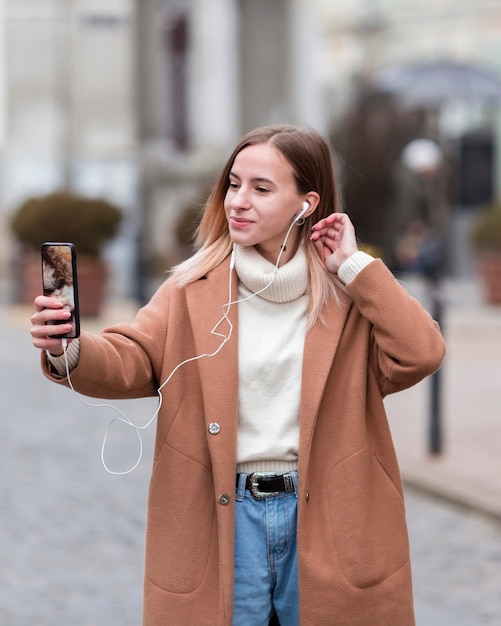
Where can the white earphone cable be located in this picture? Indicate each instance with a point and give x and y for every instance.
(225, 338)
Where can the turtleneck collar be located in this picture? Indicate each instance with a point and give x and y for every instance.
(255, 272)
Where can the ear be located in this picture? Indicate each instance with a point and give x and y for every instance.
(312, 198)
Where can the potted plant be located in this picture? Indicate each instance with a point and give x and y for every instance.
(486, 241)
(66, 216)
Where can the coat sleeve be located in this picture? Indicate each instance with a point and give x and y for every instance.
(406, 343)
(125, 360)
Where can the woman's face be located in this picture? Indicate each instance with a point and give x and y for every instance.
(262, 200)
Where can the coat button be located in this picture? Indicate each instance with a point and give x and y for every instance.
(214, 428)
(307, 496)
(224, 499)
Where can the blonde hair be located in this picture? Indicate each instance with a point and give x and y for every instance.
(313, 165)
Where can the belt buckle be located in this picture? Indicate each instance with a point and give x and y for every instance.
(254, 488)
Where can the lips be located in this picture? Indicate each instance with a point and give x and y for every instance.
(239, 222)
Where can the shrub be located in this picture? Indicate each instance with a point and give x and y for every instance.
(66, 216)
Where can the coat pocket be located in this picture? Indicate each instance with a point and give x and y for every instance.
(181, 522)
(368, 522)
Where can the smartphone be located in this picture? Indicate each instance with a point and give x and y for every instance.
(59, 280)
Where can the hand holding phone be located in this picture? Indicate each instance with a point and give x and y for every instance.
(59, 279)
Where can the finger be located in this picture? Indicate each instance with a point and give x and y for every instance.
(53, 345)
(43, 331)
(331, 229)
(46, 302)
(330, 237)
(329, 232)
(46, 316)
(50, 335)
(321, 225)
(331, 219)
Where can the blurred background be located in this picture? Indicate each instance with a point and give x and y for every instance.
(115, 116)
(139, 103)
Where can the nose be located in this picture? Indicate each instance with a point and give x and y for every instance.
(240, 199)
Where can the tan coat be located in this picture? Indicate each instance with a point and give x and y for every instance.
(352, 539)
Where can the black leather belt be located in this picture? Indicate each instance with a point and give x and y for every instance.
(267, 484)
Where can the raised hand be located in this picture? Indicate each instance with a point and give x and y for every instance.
(337, 236)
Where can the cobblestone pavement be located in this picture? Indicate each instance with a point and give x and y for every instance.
(72, 535)
(456, 559)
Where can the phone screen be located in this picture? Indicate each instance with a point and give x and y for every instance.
(59, 278)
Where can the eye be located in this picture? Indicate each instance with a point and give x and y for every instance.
(262, 190)
(232, 185)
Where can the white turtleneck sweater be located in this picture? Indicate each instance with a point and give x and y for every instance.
(272, 327)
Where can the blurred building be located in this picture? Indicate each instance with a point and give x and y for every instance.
(141, 100)
(68, 96)
(207, 72)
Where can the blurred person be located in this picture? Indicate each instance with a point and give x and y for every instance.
(420, 250)
(275, 491)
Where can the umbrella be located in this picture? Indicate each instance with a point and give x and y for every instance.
(435, 83)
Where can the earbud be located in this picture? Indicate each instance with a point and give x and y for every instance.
(306, 206)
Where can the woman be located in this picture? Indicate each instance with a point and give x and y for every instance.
(275, 488)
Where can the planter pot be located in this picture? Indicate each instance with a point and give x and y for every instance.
(92, 277)
(489, 268)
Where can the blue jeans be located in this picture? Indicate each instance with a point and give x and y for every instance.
(266, 578)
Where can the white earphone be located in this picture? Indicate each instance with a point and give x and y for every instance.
(305, 207)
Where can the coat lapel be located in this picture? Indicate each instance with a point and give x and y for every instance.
(319, 350)
(219, 373)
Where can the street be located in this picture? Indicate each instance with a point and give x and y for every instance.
(72, 535)
(456, 557)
